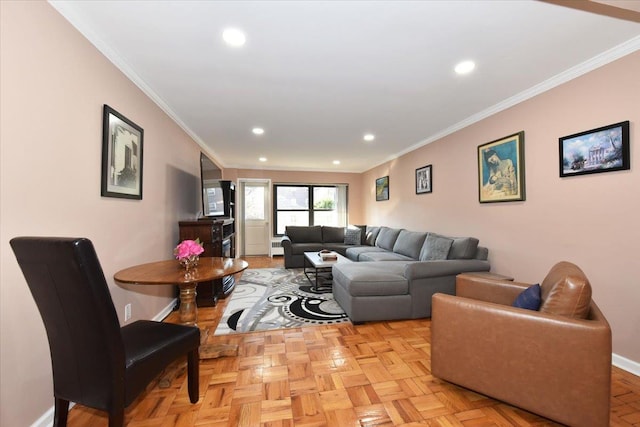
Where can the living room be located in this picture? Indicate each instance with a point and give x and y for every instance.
(55, 82)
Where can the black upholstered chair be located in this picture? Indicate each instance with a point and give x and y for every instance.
(96, 362)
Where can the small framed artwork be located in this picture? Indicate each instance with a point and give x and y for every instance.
(501, 169)
(423, 180)
(382, 188)
(122, 142)
(604, 149)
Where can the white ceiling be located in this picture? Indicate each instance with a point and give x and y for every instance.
(317, 75)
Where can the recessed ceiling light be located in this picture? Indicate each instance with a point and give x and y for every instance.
(263, 159)
(257, 131)
(465, 67)
(369, 137)
(336, 162)
(234, 37)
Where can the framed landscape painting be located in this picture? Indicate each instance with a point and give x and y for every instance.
(382, 188)
(604, 149)
(501, 169)
(121, 156)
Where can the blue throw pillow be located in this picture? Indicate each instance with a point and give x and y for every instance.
(529, 298)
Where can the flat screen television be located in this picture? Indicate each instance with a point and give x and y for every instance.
(212, 198)
(217, 195)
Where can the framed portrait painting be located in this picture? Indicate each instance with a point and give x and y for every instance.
(423, 180)
(122, 143)
(501, 169)
(382, 188)
(604, 149)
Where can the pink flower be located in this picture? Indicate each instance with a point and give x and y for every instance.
(188, 249)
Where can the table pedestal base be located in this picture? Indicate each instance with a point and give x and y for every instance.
(188, 310)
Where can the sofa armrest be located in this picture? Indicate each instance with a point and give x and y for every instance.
(530, 359)
(439, 268)
(490, 290)
(285, 242)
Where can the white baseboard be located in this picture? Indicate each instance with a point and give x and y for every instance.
(165, 311)
(625, 364)
(46, 420)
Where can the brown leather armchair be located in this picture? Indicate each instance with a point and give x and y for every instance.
(555, 362)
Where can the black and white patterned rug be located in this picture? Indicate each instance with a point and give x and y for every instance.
(276, 298)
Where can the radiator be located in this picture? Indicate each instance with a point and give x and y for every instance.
(276, 247)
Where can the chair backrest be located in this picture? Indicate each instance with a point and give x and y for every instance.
(69, 288)
(566, 291)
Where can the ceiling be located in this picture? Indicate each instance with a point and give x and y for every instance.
(318, 75)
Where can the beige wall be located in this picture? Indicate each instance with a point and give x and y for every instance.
(53, 86)
(590, 220)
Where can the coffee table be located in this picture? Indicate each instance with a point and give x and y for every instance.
(315, 266)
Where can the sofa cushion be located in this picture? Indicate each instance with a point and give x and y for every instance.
(361, 279)
(332, 234)
(352, 236)
(354, 253)
(435, 247)
(341, 248)
(463, 248)
(568, 295)
(482, 253)
(387, 238)
(383, 256)
(302, 234)
(301, 248)
(409, 243)
(371, 235)
(529, 298)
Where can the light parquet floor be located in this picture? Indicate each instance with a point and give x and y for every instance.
(374, 374)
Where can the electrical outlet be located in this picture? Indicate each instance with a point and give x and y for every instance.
(127, 312)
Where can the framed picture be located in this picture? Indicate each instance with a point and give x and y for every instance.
(501, 169)
(604, 149)
(382, 188)
(122, 142)
(423, 180)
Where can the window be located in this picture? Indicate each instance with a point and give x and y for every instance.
(309, 205)
(254, 202)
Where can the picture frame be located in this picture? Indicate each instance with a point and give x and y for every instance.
(501, 170)
(382, 188)
(604, 149)
(122, 149)
(424, 181)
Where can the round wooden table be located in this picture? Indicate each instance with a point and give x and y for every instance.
(172, 273)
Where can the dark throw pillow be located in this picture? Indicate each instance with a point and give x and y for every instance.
(529, 298)
(352, 236)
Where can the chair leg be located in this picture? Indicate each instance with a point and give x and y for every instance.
(116, 417)
(60, 412)
(193, 375)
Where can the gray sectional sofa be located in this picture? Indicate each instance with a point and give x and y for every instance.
(395, 271)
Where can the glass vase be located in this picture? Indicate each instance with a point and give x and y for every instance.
(190, 263)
